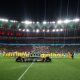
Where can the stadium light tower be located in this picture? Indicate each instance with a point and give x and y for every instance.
(44, 22)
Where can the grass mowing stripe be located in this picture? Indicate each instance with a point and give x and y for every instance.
(25, 71)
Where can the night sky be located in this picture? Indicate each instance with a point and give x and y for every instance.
(39, 10)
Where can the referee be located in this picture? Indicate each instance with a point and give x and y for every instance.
(72, 55)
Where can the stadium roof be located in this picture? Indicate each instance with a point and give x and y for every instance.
(26, 25)
(27, 22)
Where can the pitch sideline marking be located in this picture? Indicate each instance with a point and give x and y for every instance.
(25, 71)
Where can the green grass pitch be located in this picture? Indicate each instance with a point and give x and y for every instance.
(58, 69)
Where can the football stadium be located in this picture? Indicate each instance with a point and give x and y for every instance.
(40, 49)
(25, 47)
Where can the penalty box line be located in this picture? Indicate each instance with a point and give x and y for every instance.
(25, 71)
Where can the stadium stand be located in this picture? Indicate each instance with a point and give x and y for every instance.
(32, 38)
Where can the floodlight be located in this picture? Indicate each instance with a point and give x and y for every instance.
(37, 22)
(44, 22)
(57, 30)
(53, 30)
(19, 29)
(59, 21)
(23, 30)
(76, 20)
(43, 30)
(27, 30)
(37, 30)
(4, 20)
(27, 22)
(13, 21)
(61, 30)
(53, 22)
(48, 30)
(67, 21)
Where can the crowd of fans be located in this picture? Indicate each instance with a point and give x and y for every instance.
(40, 49)
(65, 49)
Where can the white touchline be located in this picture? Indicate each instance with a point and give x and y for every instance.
(25, 71)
